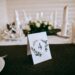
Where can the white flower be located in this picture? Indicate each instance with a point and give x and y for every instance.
(27, 28)
(35, 21)
(49, 27)
(45, 23)
(37, 24)
(40, 21)
(50, 23)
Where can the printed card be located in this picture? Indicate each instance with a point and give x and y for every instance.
(39, 47)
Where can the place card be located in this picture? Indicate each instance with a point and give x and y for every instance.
(39, 47)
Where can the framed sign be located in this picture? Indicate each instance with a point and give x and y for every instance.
(39, 47)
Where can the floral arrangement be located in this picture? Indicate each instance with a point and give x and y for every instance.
(40, 26)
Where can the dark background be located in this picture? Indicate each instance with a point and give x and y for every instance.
(18, 63)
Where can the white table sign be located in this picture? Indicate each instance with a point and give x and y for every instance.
(39, 47)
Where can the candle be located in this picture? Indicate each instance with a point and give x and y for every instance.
(65, 21)
(37, 16)
(41, 15)
(17, 18)
(51, 18)
(18, 24)
(55, 19)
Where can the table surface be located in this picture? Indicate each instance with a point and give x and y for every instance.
(18, 63)
(23, 41)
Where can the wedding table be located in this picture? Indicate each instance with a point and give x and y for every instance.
(53, 39)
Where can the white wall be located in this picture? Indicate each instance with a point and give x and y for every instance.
(7, 9)
(47, 6)
(3, 13)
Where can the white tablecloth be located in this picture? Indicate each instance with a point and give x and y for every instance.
(23, 41)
